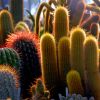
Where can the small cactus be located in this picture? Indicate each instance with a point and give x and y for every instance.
(74, 83)
(9, 83)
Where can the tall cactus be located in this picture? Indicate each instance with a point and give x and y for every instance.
(6, 25)
(91, 54)
(61, 23)
(64, 58)
(27, 46)
(76, 52)
(9, 83)
(49, 62)
(16, 8)
(74, 82)
(10, 57)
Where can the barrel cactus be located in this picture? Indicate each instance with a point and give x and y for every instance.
(27, 45)
(9, 83)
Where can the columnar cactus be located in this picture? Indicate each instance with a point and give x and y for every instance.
(9, 83)
(61, 23)
(74, 82)
(17, 14)
(76, 51)
(64, 57)
(21, 26)
(94, 30)
(49, 61)
(91, 56)
(38, 91)
(27, 46)
(6, 25)
(9, 56)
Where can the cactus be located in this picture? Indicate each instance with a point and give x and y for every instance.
(92, 19)
(95, 9)
(91, 56)
(9, 83)
(17, 14)
(78, 15)
(49, 63)
(74, 82)
(21, 26)
(37, 28)
(27, 45)
(10, 57)
(38, 91)
(47, 16)
(94, 30)
(64, 57)
(76, 52)
(61, 23)
(6, 25)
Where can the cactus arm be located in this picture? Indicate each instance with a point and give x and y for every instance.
(39, 13)
(46, 27)
(93, 8)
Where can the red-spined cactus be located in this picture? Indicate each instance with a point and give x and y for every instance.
(27, 45)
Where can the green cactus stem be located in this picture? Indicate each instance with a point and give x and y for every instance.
(77, 38)
(74, 82)
(6, 25)
(64, 58)
(61, 23)
(37, 20)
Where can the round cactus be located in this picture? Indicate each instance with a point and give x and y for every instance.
(74, 82)
(6, 25)
(61, 23)
(27, 45)
(10, 57)
(9, 83)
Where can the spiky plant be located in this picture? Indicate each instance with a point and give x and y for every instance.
(27, 45)
(6, 25)
(64, 58)
(77, 38)
(9, 83)
(74, 82)
(21, 26)
(38, 91)
(61, 23)
(9, 56)
(91, 57)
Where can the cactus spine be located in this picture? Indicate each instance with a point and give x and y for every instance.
(49, 60)
(16, 7)
(27, 46)
(76, 52)
(61, 23)
(64, 57)
(74, 82)
(10, 57)
(9, 83)
(91, 54)
(6, 25)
